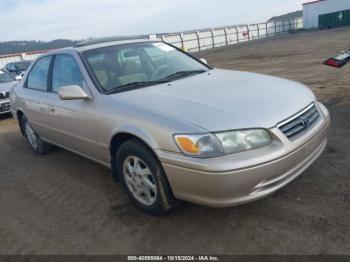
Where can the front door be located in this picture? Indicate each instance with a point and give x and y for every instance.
(72, 127)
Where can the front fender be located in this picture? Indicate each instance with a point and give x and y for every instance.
(138, 132)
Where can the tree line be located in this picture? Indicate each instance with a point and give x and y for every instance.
(12, 47)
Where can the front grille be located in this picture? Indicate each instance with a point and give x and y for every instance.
(5, 107)
(299, 124)
(4, 95)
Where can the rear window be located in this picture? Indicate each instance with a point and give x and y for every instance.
(22, 66)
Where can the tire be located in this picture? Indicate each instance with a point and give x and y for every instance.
(36, 144)
(143, 178)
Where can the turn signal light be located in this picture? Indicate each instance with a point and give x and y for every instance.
(187, 145)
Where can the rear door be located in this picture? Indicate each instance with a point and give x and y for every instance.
(34, 95)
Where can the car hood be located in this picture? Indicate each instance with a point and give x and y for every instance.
(6, 87)
(224, 100)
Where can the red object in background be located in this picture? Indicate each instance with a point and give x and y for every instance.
(335, 62)
(339, 61)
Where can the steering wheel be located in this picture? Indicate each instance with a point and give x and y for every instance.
(161, 71)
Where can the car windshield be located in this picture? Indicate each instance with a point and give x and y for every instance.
(4, 77)
(137, 65)
(22, 66)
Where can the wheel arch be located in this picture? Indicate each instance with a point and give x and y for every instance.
(19, 115)
(120, 138)
(127, 133)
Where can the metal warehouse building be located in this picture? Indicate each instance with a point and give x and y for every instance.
(326, 13)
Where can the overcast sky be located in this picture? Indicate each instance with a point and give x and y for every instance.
(79, 19)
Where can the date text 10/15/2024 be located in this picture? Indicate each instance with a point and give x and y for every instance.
(173, 258)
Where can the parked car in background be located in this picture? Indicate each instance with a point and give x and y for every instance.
(169, 126)
(6, 84)
(16, 69)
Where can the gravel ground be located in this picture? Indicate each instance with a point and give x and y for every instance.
(297, 57)
(61, 203)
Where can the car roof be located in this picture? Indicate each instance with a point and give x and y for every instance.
(95, 45)
(110, 39)
(19, 62)
(22, 61)
(100, 43)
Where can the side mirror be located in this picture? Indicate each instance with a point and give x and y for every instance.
(73, 92)
(19, 78)
(203, 60)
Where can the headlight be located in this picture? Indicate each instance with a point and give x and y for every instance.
(223, 143)
(243, 140)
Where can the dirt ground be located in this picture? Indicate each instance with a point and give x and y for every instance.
(61, 203)
(297, 57)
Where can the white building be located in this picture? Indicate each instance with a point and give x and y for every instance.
(313, 9)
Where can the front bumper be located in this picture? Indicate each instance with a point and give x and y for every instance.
(5, 107)
(247, 176)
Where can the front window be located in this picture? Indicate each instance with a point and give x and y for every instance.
(4, 77)
(140, 64)
(65, 72)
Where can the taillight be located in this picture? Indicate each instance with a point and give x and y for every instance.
(335, 62)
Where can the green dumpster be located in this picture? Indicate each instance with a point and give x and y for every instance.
(340, 18)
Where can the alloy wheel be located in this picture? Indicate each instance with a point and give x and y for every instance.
(31, 136)
(140, 180)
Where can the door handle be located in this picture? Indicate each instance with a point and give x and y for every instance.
(52, 110)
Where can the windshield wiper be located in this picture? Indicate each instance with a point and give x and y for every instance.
(134, 85)
(166, 79)
(180, 74)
